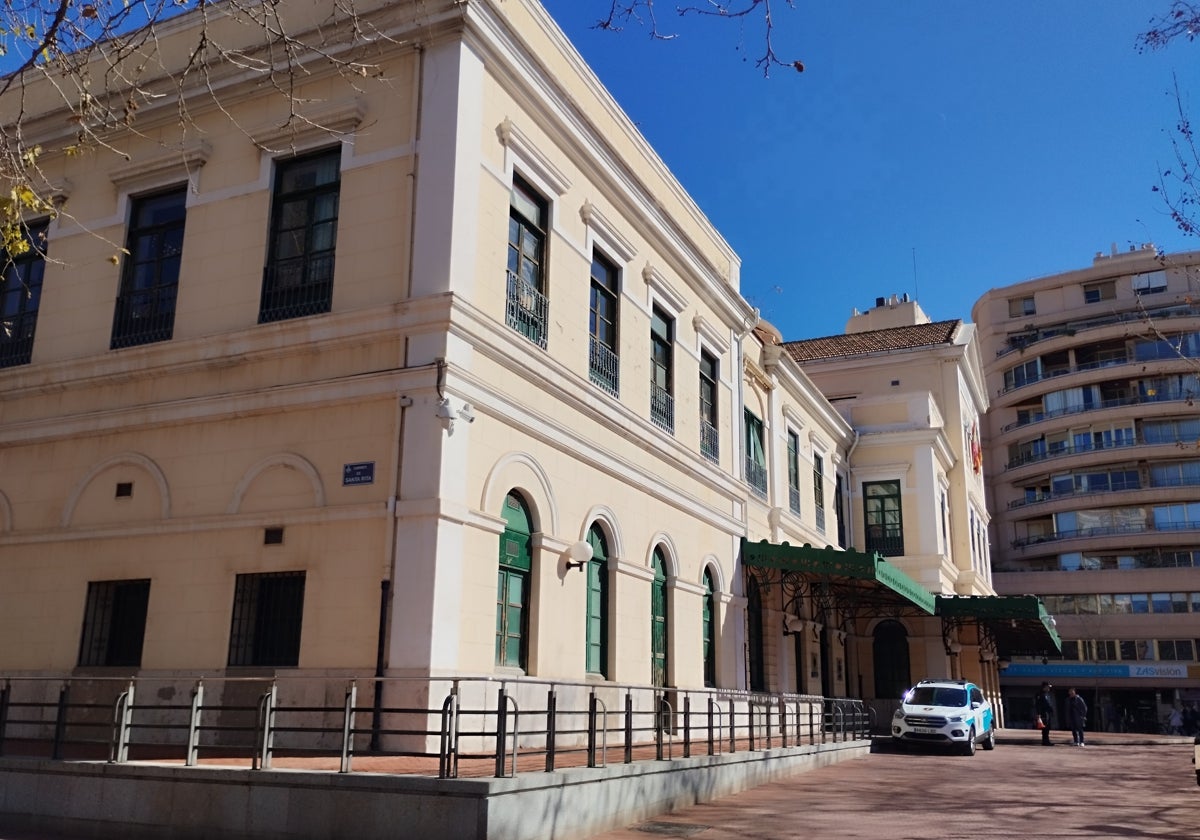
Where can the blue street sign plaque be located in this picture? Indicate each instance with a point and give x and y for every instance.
(362, 473)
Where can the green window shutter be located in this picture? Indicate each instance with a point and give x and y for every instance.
(597, 604)
(512, 585)
(707, 617)
(658, 622)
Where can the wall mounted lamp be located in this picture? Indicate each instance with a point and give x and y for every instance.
(577, 555)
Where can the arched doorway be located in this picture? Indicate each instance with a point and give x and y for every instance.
(659, 639)
(512, 587)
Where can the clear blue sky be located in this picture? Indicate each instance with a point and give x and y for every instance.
(995, 141)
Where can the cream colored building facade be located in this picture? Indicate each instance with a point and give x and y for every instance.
(913, 486)
(366, 393)
(1094, 476)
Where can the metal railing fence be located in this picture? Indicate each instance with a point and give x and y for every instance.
(437, 726)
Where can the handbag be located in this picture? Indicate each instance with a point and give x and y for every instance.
(1037, 722)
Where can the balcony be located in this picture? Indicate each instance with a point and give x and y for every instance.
(1033, 335)
(296, 288)
(1057, 372)
(710, 441)
(662, 408)
(16, 340)
(794, 500)
(144, 317)
(1103, 531)
(821, 526)
(1068, 449)
(756, 477)
(604, 367)
(526, 309)
(887, 543)
(1139, 399)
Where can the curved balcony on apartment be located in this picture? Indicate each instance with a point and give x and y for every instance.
(1175, 316)
(1112, 484)
(1160, 433)
(1029, 551)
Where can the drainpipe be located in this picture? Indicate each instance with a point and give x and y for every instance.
(394, 493)
(850, 490)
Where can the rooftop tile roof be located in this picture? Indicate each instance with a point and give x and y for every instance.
(874, 341)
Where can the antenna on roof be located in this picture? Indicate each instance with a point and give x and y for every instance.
(916, 283)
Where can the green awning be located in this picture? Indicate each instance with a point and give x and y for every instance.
(866, 571)
(1019, 623)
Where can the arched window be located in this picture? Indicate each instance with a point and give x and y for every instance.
(597, 603)
(708, 630)
(658, 620)
(890, 651)
(754, 634)
(512, 587)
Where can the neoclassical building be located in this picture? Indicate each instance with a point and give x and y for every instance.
(450, 376)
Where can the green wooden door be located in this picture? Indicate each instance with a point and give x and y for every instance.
(658, 621)
(512, 585)
(597, 604)
(707, 617)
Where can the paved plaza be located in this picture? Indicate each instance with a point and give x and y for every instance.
(1118, 786)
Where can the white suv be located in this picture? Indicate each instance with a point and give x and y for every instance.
(953, 712)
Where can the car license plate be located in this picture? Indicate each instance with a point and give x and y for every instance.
(924, 730)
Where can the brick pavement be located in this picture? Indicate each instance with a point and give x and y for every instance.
(1120, 785)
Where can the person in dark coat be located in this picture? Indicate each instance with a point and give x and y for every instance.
(1043, 707)
(1076, 717)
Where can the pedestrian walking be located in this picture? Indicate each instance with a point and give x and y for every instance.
(1043, 707)
(1076, 717)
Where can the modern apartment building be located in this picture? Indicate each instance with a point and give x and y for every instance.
(1092, 452)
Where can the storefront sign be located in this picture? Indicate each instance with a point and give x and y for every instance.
(1134, 670)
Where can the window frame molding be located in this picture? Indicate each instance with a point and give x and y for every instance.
(317, 127)
(160, 173)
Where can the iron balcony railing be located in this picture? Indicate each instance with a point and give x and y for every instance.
(756, 477)
(526, 309)
(1039, 416)
(1062, 450)
(444, 727)
(1032, 336)
(144, 317)
(662, 408)
(889, 545)
(794, 500)
(1057, 372)
(296, 288)
(1104, 531)
(604, 366)
(16, 339)
(1039, 498)
(710, 441)
(821, 524)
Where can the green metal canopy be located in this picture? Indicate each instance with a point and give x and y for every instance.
(1019, 624)
(867, 572)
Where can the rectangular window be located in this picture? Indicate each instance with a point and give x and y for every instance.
(1021, 306)
(793, 456)
(526, 307)
(114, 623)
(1023, 374)
(1150, 282)
(885, 531)
(1176, 650)
(662, 366)
(145, 310)
(756, 458)
(20, 296)
(819, 490)
(1096, 292)
(267, 613)
(710, 441)
(603, 360)
(298, 279)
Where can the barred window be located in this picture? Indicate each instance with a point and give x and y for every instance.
(267, 613)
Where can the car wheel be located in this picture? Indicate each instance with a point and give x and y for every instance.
(968, 748)
(989, 741)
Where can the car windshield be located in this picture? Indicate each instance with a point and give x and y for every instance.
(929, 695)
